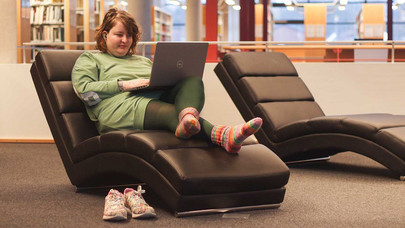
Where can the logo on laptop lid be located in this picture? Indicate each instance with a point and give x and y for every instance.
(180, 64)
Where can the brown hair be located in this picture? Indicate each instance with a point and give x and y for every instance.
(110, 20)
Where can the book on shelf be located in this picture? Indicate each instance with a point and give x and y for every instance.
(161, 22)
(47, 21)
(46, 15)
(33, 2)
(47, 33)
(97, 7)
(45, 2)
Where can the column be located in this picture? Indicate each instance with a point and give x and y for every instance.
(141, 10)
(265, 20)
(211, 28)
(225, 25)
(8, 38)
(247, 20)
(194, 20)
(233, 25)
(389, 19)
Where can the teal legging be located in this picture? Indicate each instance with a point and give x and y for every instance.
(163, 114)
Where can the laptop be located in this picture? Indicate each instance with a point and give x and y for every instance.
(174, 61)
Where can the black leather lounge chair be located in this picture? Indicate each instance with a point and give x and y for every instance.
(190, 176)
(266, 84)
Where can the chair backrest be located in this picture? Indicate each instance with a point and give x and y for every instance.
(266, 84)
(64, 111)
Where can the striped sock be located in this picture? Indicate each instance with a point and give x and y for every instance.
(231, 138)
(188, 123)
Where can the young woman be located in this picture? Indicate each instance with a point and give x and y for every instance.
(104, 81)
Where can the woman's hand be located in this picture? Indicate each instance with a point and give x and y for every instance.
(134, 84)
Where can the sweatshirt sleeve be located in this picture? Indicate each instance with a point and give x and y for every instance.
(85, 79)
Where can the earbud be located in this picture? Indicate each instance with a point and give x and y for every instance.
(105, 36)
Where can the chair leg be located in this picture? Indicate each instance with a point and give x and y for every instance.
(308, 160)
(225, 210)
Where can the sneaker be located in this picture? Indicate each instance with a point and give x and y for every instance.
(114, 207)
(135, 201)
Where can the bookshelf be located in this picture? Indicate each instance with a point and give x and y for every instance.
(85, 17)
(79, 21)
(46, 19)
(101, 8)
(162, 25)
(23, 25)
(50, 20)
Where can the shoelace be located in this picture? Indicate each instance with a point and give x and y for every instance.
(139, 190)
(137, 195)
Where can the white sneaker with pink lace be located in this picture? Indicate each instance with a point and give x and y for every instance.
(138, 206)
(114, 207)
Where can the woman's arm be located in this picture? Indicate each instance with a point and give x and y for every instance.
(129, 85)
(85, 79)
(133, 84)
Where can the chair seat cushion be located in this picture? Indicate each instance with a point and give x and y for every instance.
(394, 139)
(194, 167)
(384, 129)
(138, 142)
(214, 171)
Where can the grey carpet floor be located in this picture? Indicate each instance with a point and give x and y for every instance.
(348, 191)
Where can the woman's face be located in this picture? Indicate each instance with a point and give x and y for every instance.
(118, 40)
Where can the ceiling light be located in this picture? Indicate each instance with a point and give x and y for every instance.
(236, 7)
(174, 2)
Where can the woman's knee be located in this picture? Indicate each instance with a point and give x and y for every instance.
(193, 81)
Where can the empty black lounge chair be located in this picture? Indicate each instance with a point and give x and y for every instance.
(266, 84)
(190, 176)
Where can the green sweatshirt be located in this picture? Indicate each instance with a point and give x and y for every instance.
(94, 79)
